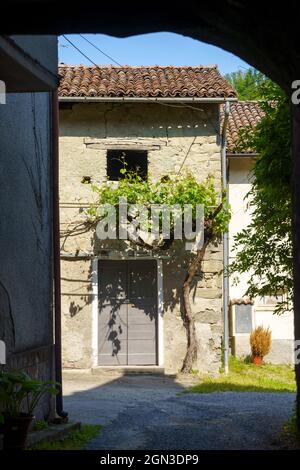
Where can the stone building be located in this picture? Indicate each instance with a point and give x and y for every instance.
(122, 307)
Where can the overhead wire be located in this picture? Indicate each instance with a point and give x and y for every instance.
(79, 50)
(181, 105)
(100, 50)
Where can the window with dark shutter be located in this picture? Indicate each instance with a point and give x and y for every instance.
(132, 160)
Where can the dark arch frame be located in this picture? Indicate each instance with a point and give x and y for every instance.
(265, 34)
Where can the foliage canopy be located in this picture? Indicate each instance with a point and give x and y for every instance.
(181, 190)
(247, 83)
(264, 248)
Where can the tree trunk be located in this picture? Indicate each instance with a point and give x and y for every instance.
(192, 344)
(296, 240)
(189, 323)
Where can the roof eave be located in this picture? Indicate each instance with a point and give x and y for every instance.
(133, 99)
(242, 155)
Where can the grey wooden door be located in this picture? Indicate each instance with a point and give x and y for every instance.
(127, 312)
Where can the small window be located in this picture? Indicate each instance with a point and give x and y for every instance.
(243, 319)
(270, 300)
(132, 160)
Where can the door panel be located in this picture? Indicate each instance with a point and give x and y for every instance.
(146, 346)
(141, 352)
(140, 332)
(113, 331)
(127, 312)
(115, 275)
(142, 313)
(142, 280)
(107, 359)
(113, 319)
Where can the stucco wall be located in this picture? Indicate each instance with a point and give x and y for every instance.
(26, 240)
(282, 326)
(171, 136)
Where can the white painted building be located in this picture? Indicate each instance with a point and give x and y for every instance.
(245, 314)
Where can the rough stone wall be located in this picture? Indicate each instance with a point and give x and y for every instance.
(76, 314)
(206, 301)
(173, 137)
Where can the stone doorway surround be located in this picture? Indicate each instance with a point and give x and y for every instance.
(95, 309)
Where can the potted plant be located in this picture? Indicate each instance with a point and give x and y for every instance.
(260, 342)
(19, 396)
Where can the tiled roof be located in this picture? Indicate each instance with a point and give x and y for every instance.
(242, 114)
(242, 301)
(152, 81)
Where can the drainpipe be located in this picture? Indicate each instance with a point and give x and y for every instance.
(225, 238)
(56, 253)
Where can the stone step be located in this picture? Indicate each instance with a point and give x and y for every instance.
(52, 432)
(128, 370)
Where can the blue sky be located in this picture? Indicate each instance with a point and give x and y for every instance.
(148, 49)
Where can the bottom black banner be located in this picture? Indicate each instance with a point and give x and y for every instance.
(134, 459)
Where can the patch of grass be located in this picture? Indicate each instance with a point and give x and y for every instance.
(290, 436)
(40, 424)
(76, 440)
(246, 377)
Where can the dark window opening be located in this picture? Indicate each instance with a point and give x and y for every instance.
(132, 160)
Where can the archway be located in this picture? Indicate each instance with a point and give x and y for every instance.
(265, 35)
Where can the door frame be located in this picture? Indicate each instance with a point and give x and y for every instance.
(160, 305)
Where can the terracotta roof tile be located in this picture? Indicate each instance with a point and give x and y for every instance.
(242, 301)
(242, 114)
(152, 81)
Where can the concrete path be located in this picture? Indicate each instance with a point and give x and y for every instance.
(148, 412)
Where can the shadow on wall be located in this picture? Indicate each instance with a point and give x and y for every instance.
(112, 295)
(152, 120)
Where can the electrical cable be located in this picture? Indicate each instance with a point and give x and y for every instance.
(181, 106)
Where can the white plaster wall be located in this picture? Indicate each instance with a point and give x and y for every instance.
(282, 326)
(239, 186)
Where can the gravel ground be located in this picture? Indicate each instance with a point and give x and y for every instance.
(148, 412)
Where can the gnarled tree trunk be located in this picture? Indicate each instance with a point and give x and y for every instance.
(189, 322)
